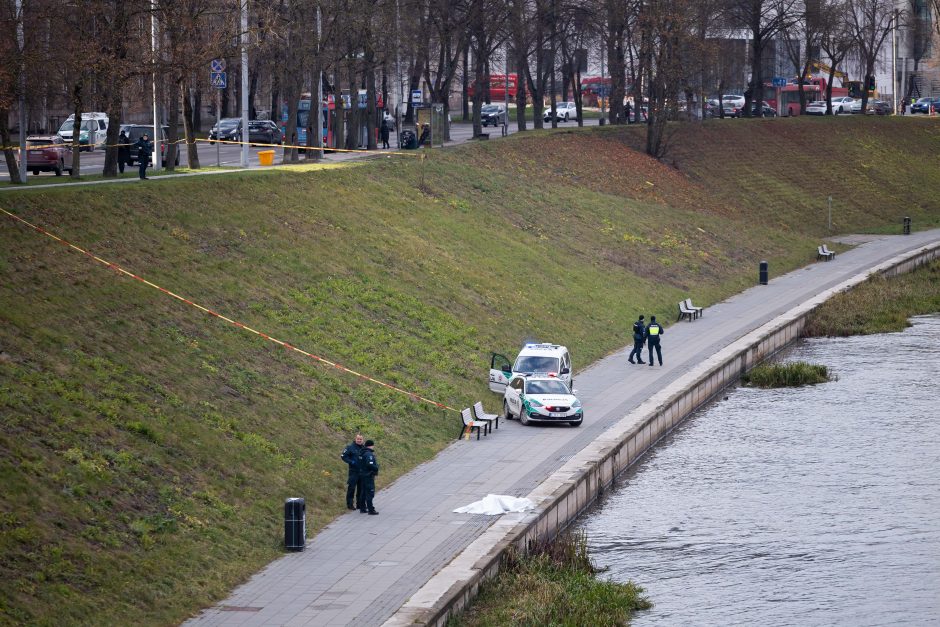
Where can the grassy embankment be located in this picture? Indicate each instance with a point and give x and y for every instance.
(146, 448)
(554, 584)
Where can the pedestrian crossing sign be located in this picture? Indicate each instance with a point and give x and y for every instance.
(217, 80)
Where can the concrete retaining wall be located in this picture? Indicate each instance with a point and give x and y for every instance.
(565, 494)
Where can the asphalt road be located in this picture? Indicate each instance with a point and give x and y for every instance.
(230, 155)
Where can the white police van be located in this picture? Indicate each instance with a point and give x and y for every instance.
(533, 359)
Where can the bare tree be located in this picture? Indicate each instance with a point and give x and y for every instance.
(764, 19)
(870, 23)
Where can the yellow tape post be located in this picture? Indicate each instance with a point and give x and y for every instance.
(235, 323)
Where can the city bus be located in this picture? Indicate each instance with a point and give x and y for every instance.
(498, 85)
(303, 117)
(788, 96)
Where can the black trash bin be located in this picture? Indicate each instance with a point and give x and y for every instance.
(763, 273)
(408, 140)
(295, 524)
(907, 225)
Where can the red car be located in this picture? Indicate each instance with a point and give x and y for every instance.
(48, 153)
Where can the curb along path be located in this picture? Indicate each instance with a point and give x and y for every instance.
(361, 570)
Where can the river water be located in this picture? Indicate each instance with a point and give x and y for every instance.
(801, 506)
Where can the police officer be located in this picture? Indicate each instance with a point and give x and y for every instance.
(144, 150)
(351, 455)
(653, 333)
(639, 333)
(368, 469)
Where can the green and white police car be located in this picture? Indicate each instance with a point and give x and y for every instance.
(541, 399)
(533, 359)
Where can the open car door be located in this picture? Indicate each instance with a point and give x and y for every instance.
(500, 373)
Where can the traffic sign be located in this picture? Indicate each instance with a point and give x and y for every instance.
(779, 81)
(218, 80)
(217, 65)
(416, 97)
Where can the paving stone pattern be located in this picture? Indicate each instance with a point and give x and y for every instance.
(360, 569)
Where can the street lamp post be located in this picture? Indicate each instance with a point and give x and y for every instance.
(894, 64)
(21, 43)
(244, 38)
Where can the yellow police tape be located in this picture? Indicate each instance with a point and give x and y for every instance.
(238, 143)
(244, 327)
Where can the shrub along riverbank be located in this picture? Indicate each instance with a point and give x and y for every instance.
(146, 448)
(555, 584)
(793, 374)
(880, 305)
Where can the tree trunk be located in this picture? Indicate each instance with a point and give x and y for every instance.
(115, 109)
(370, 110)
(464, 92)
(189, 127)
(173, 132)
(9, 154)
(479, 69)
(76, 129)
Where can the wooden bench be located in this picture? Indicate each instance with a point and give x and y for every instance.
(824, 253)
(482, 416)
(467, 422)
(698, 310)
(685, 312)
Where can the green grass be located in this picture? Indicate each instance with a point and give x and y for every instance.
(792, 374)
(130, 172)
(555, 584)
(146, 448)
(880, 305)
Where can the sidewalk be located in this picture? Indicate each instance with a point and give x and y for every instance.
(361, 569)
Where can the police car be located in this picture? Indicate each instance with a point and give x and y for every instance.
(533, 359)
(541, 399)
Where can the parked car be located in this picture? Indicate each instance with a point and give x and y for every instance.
(493, 114)
(135, 131)
(842, 104)
(48, 153)
(264, 132)
(879, 107)
(731, 109)
(564, 111)
(922, 105)
(816, 107)
(532, 398)
(228, 129)
(767, 110)
(92, 132)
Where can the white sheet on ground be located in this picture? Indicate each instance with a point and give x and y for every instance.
(496, 504)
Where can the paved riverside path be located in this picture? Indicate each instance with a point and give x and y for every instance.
(360, 569)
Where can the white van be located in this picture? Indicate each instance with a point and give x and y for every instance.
(94, 130)
(543, 359)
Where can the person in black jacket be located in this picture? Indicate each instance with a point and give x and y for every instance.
(386, 130)
(144, 150)
(351, 455)
(368, 469)
(124, 151)
(653, 333)
(639, 334)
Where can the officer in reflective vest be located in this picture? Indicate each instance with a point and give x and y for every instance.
(653, 333)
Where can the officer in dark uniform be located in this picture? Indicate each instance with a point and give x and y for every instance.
(144, 150)
(368, 469)
(639, 334)
(351, 455)
(124, 151)
(653, 333)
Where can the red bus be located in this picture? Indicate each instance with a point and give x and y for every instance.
(593, 88)
(788, 96)
(497, 83)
